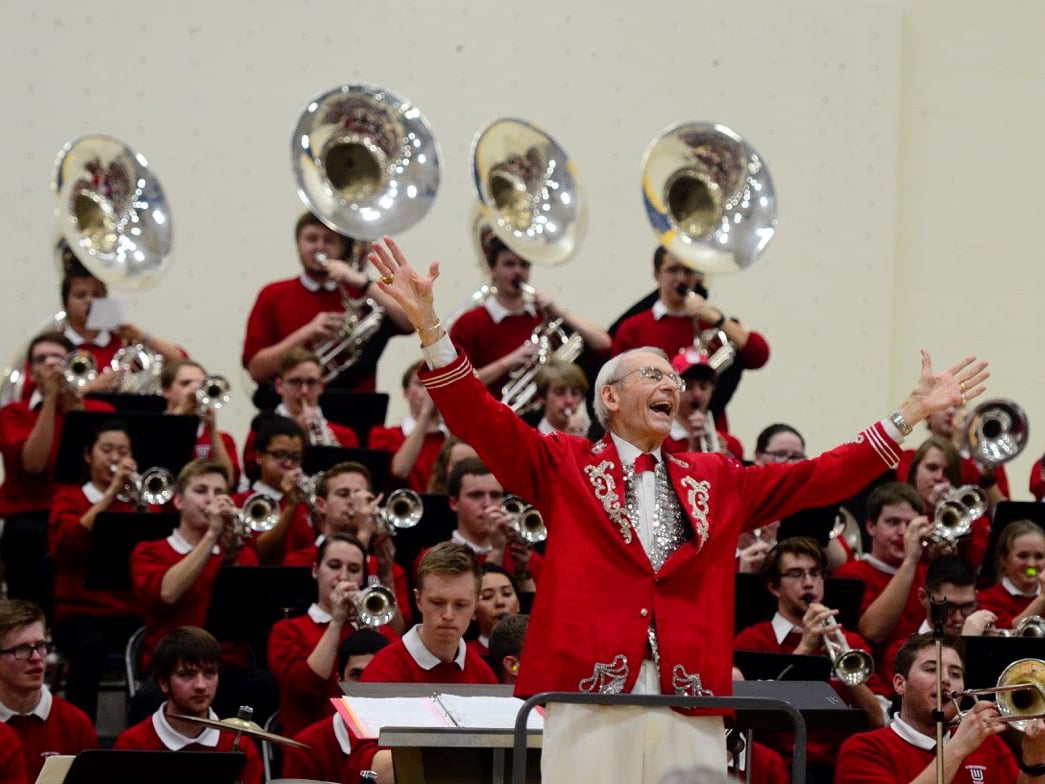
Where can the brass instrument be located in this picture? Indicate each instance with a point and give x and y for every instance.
(712, 342)
(852, 666)
(154, 487)
(141, 369)
(212, 394)
(366, 164)
(996, 432)
(524, 518)
(318, 432)
(1031, 626)
(552, 342)
(847, 527)
(955, 514)
(707, 439)
(375, 604)
(403, 509)
(1020, 693)
(79, 369)
(259, 513)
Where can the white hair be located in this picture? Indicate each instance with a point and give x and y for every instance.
(610, 374)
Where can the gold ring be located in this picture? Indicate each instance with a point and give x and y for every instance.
(963, 399)
(961, 386)
(387, 279)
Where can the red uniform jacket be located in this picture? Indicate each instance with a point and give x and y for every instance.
(326, 760)
(390, 439)
(67, 730)
(484, 341)
(1002, 603)
(599, 593)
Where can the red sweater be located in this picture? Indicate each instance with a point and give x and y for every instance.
(670, 333)
(203, 447)
(67, 730)
(304, 697)
(12, 757)
(875, 581)
(883, 757)
(69, 543)
(22, 491)
(143, 737)
(325, 761)
(971, 473)
(1003, 604)
(484, 341)
(150, 561)
(390, 439)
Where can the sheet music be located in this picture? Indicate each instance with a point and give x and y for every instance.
(367, 715)
(107, 313)
(487, 712)
(55, 769)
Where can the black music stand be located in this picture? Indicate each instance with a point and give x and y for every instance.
(762, 666)
(125, 402)
(1005, 513)
(114, 536)
(321, 458)
(248, 600)
(437, 523)
(986, 657)
(360, 411)
(814, 522)
(156, 440)
(156, 767)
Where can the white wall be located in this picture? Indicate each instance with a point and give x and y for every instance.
(833, 95)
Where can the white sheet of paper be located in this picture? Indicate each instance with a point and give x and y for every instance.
(107, 313)
(488, 712)
(55, 769)
(373, 713)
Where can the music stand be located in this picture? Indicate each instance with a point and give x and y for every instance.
(764, 666)
(114, 536)
(814, 522)
(753, 602)
(1005, 513)
(156, 767)
(247, 601)
(125, 401)
(844, 594)
(360, 411)
(986, 657)
(437, 523)
(156, 440)
(379, 462)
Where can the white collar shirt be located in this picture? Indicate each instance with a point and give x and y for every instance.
(92, 493)
(880, 565)
(783, 627)
(318, 614)
(341, 734)
(315, 285)
(409, 424)
(914, 737)
(101, 339)
(174, 740)
(1012, 590)
(183, 546)
(499, 312)
(424, 658)
(41, 711)
(261, 487)
(478, 549)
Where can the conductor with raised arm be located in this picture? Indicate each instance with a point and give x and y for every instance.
(655, 533)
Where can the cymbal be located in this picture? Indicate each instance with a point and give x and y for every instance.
(242, 726)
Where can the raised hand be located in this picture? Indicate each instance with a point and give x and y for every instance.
(411, 289)
(962, 382)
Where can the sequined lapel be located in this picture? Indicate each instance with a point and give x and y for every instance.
(694, 495)
(606, 478)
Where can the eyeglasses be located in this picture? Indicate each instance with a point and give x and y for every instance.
(964, 609)
(303, 383)
(799, 574)
(281, 456)
(656, 375)
(783, 456)
(25, 651)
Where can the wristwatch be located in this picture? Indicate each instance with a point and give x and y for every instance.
(901, 424)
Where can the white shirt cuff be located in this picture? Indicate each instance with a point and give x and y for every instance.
(439, 354)
(892, 430)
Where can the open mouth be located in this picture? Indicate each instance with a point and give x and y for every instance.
(664, 407)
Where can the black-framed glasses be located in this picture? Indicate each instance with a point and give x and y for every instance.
(25, 651)
(964, 609)
(656, 375)
(281, 455)
(799, 574)
(785, 456)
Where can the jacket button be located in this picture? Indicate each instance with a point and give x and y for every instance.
(643, 612)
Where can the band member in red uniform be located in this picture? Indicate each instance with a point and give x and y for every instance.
(658, 560)
(694, 429)
(506, 644)
(414, 444)
(561, 392)
(303, 650)
(179, 382)
(496, 335)
(45, 724)
(328, 738)
(498, 599)
(303, 312)
(453, 452)
(30, 432)
(668, 322)
(1020, 555)
(90, 623)
(186, 665)
(433, 651)
(904, 751)
(12, 757)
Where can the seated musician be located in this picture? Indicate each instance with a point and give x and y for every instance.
(433, 651)
(453, 452)
(12, 757)
(561, 392)
(174, 578)
(186, 665)
(45, 724)
(414, 444)
(89, 624)
(506, 644)
(496, 334)
(476, 498)
(179, 381)
(935, 470)
(328, 738)
(304, 311)
(894, 570)
(30, 432)
(667, 323)
(794, 573)
(905, 750)
(694, 429)
(498, 599)
(1020, 572)
(79, 290)
(346, 504)
(949, 425)
(949, 579)
(303, 650)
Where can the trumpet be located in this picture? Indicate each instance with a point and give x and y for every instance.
(79, 369)
(1020, 693)
(212, 394)
(852, 666)
(259, 513)
(404, 509)
(375, 604)
(996, 432)
(524, 518)
(712, 342)
(1031, 626)
(153, 488)
(955, 514)
(318, 432)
